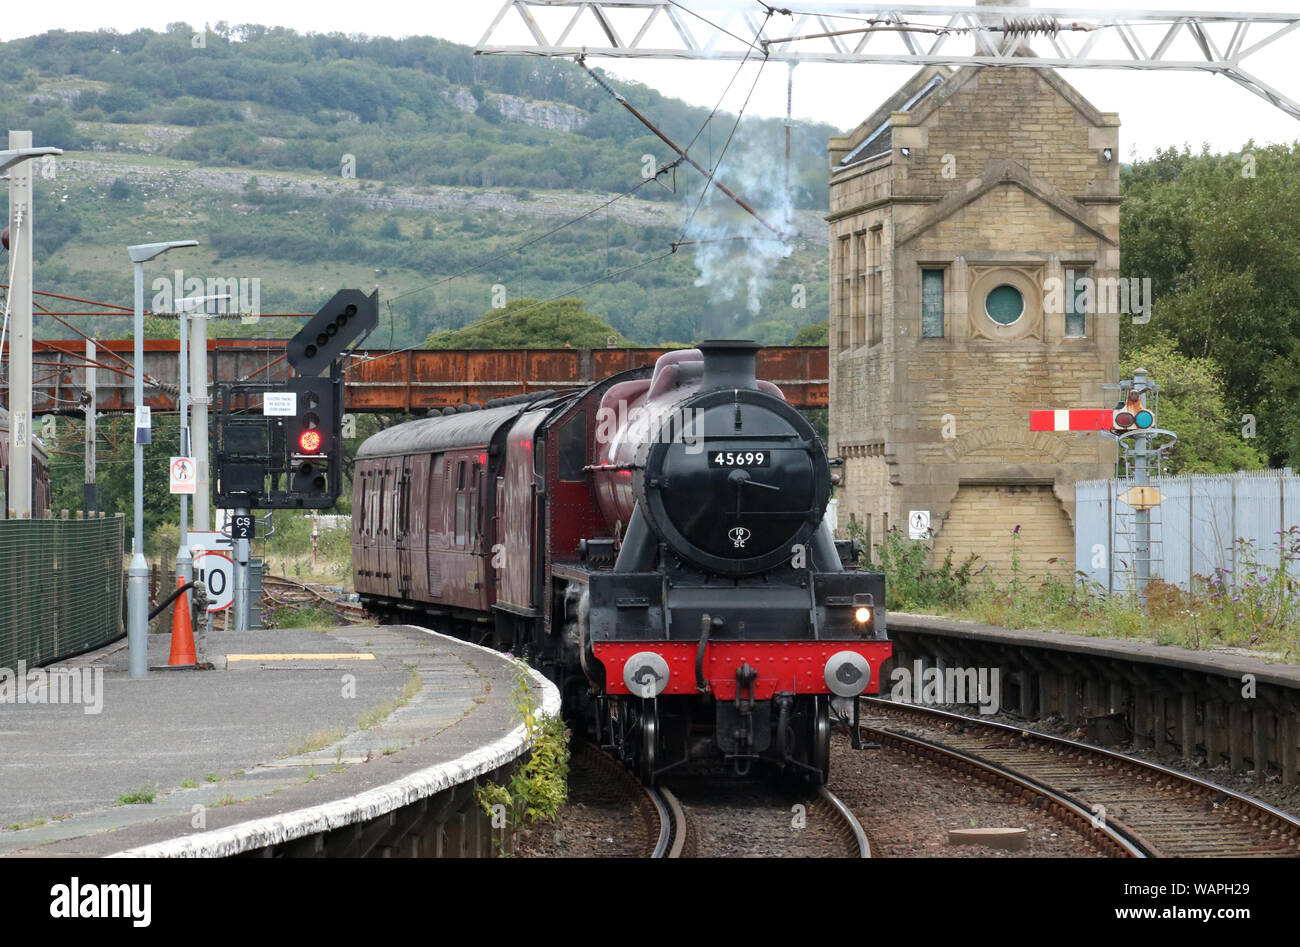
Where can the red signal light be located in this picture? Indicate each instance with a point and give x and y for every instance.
(309, 441)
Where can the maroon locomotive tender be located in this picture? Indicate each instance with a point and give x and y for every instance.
(655, 543)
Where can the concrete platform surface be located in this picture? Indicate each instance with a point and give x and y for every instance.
(285, 719)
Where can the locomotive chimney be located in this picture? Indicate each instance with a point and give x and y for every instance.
(729, 363)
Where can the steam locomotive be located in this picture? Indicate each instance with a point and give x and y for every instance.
(654, 542)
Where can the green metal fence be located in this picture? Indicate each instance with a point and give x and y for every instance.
(61, 586)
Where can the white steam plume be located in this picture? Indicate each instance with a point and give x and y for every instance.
(738, 269)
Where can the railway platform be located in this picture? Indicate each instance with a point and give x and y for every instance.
(290, 735)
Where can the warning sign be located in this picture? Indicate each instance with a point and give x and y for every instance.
(184, 473)
(215, 570)
(1142, 497)
(918, 524)
(280, 403)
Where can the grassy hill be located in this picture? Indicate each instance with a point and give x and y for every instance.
(314, 162)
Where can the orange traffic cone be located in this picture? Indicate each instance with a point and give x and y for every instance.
(182, 631)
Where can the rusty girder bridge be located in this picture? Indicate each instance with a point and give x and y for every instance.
(378, 381)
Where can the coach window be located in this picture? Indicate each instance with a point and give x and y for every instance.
(460, 503)
(403, 503)
(573, 447)
(361, 513)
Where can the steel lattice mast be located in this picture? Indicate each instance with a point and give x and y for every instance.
(1034, 38)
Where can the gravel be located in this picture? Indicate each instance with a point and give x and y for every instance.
(598, 821)
(907, 807)
(1272, 791)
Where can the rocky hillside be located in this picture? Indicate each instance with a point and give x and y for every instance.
(310, 162)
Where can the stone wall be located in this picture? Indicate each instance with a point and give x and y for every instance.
(982, 521)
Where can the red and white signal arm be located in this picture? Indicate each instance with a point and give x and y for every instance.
(1071, 419)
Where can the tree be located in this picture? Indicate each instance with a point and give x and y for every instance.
(819, 333)
(528, 324)
(1193, 404)
(340, 209)
(1219, 237)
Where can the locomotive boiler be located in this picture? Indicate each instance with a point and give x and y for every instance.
(655, 542)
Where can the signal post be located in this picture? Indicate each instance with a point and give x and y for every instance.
(1134, 417)
(288, 454)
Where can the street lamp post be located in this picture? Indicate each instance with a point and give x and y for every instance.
(137, 600)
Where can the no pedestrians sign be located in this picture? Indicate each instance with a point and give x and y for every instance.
(183, 474)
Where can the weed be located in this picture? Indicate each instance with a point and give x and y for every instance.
(1254, 605)
(301, 616)
(211, 778)
(317, 741)
(410, 688)
(31, 824)
(374, 715)
(189, 784)
(909, 582)
(145, 794)
(540, 786)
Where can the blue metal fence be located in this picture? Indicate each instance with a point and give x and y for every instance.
(1194, 530)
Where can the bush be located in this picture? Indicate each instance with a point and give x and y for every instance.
(909, 582)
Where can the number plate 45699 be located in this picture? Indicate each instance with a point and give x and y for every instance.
(740, 458)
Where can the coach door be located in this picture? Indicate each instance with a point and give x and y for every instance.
(402, 527)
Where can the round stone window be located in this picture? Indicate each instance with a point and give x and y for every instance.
(1004, 304)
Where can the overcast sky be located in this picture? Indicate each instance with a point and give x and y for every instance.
(1156, 108)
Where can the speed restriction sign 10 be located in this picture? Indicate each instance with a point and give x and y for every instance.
(215, 570)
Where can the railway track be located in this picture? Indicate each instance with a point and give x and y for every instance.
(716, 817)
(607, 784)
(728, 818)
(1127, 806)
(285, 591)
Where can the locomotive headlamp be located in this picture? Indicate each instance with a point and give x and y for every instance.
(862, 614)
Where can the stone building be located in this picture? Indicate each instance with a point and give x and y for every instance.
(959, 209)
